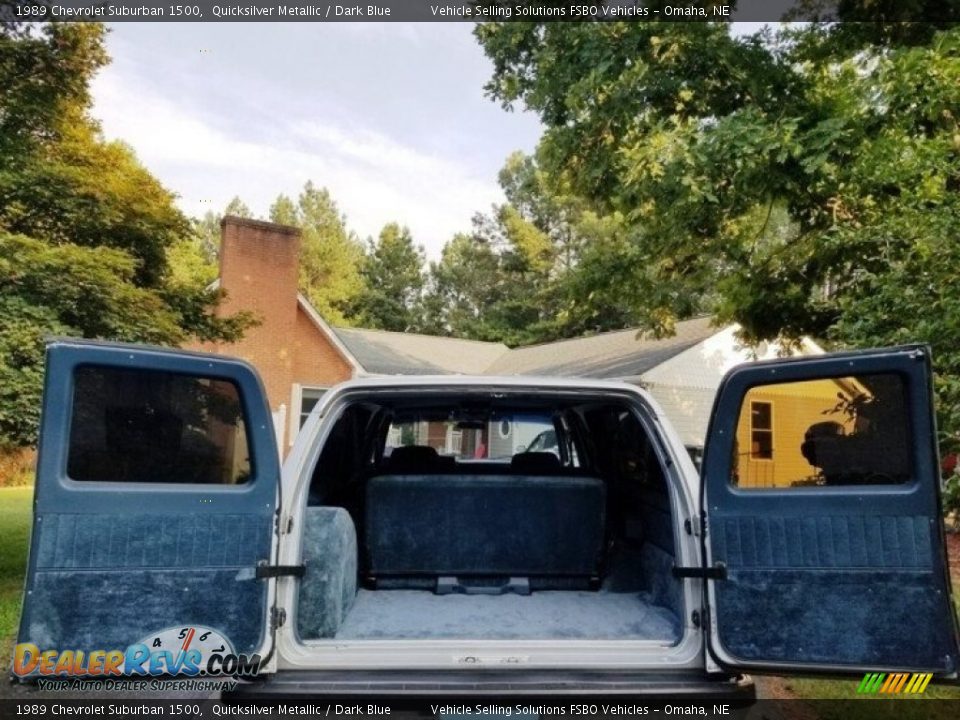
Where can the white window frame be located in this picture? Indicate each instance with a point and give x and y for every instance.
(296, 407)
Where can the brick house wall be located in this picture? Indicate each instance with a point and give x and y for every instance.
(291, 348)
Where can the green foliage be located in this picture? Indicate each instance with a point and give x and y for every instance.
(238, 208)
(803, 182)
(538, 268)
(189, 262)
(206, 237)
(494, 284)
(88, 192)
(330, 257)
(23, 330)
(46, 79)
(86, 233)
(393, 281)
(58, 179)
(49, 290)
(463, 284)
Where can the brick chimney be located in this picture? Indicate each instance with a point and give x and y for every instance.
(258, 270)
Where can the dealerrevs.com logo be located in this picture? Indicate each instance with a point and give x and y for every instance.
(179, 651)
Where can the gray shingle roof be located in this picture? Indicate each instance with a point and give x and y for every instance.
(619, 354)
(397, 353)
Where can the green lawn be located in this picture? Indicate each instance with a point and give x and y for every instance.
(15, 517)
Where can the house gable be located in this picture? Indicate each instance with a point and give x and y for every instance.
(318, 324)
(685, 385)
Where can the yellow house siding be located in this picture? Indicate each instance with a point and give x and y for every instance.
(795, 407)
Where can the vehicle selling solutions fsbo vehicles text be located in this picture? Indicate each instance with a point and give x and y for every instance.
(625, 709)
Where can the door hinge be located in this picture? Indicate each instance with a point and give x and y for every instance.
(265, 572)
(278, 616)
(717, 572)
(694, 526)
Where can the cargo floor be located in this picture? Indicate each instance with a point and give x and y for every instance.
(389, 614)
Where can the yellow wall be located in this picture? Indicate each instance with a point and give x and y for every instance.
(795, 407)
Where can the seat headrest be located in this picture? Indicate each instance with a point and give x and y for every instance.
(413, 458)
(816, 438)
(139, 430)
(535, 463)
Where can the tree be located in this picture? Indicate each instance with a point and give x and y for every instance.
(559, 264)
(67, 289)
(189, 263)
(193, 259)
(550, 208)
(330, 257)
(206, 230)
(59, 180)
(47, 71)
(393, 281)
(237, 208)
(522, 309)
(463, 284)
(798, 182)
(86, 233)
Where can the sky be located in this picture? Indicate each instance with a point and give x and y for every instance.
(391, 118)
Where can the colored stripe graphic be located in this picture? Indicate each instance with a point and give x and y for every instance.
(891, 682)
(894, 683)
(871, 682)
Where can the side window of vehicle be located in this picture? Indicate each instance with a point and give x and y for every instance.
(825, 432)
(634, 456)
(131, 425)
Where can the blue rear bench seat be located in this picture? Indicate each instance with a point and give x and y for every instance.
(533, 522)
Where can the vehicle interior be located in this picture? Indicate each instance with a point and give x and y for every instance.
(496, 517)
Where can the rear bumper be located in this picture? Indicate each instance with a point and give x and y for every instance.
(410, 686)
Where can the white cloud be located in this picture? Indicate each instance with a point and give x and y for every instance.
(374, 178)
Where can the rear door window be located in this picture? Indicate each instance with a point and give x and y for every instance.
(825, 432)
(138, 425)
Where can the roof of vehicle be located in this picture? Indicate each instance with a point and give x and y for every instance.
(510, 382)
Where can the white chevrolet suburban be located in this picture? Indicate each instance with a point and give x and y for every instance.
(438, 536)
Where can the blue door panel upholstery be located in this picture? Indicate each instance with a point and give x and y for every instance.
(112, 563)
(843, 576)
